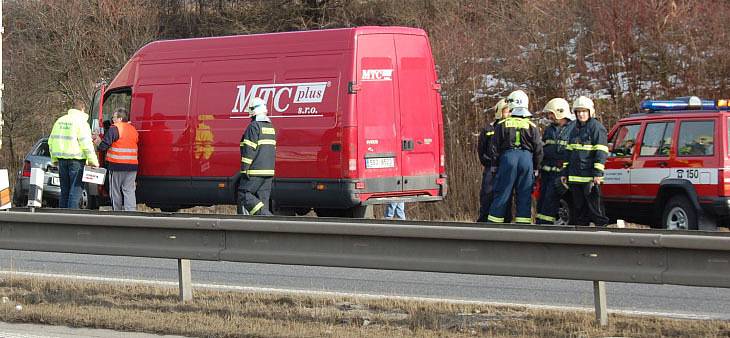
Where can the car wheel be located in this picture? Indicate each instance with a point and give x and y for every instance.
(564, 213)
(679, 214)
(87, 201)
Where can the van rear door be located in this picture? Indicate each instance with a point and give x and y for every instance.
(417, 95)
(379, 151)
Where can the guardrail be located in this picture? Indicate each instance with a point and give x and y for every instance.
(579, 253)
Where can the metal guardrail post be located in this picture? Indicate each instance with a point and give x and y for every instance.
(185, 280)
(599, 298)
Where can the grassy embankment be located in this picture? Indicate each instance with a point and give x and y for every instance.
(235, 314)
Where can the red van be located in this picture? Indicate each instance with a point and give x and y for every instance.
(357, 113)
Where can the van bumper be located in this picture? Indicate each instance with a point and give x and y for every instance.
(345, 193)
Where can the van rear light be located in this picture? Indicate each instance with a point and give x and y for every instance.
(724, 177)
(26, 168)
(442, 161)
(349, 152)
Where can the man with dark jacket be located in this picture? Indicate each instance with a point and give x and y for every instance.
(555, 140)
(518, 145)
(258, 155)
(588, 151)
(485, 153)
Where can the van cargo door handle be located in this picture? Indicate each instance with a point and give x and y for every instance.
(663, 164)
(628, 164)
(407, 144)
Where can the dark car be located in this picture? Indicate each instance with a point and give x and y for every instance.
(40, 157)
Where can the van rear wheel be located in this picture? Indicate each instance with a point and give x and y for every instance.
(679, 214)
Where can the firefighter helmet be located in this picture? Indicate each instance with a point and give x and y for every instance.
(519, 103)
(257, 106)
(498, 109)
(583, 102)
(560, 107)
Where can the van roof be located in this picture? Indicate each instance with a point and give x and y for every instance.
(324, 35)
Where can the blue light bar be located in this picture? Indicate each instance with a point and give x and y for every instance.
(680, 103)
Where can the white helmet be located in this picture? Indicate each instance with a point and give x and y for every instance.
(585, 103)
(498, 109)
(256, 106)
(519, 103)
(560, 107)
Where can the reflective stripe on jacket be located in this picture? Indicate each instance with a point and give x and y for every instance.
(71, 138)
(587, 151)
(517, 133)
(258, 149)
(124, 149)
(555, 139)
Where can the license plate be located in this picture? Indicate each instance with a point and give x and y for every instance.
(55, 181)
(379, 162)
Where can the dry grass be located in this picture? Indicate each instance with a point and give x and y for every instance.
(240, 314)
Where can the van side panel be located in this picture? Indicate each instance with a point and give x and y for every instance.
(159, 111)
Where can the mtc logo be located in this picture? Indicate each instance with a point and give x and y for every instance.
(282, 94)
(377, 75)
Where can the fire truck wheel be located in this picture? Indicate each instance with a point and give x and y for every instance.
(679, 214)
(564, 212)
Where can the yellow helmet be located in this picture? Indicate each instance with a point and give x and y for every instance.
(498, 109)
(585, 103)
(560, 107)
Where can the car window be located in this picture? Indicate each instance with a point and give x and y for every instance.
(696, 138)
(43, 150)
(657, 139)
(624, 140)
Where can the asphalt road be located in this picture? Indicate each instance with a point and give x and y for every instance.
(665, 300)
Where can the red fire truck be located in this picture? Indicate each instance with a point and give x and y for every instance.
(357, 113)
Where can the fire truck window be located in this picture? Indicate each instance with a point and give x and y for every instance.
(696, 138)
(651, 144)
(624, 141)
(667, 140)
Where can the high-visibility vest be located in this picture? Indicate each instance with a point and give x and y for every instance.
(71, 138)
(124, 149)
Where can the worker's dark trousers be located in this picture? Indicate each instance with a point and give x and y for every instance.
(253, 195)
(587, 204)
(486, 195)
(549, 202)
(515, 172)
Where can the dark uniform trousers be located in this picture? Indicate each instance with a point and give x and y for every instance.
(515, 172)
(486, 195)
(587, 204)
(549, 203)
(254, 193)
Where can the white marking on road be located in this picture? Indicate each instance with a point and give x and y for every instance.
(363, 295)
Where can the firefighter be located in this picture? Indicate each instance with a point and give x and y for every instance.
(486, 194)
(519, 149)
(555, 140)
(587, 153)
(258, 154)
